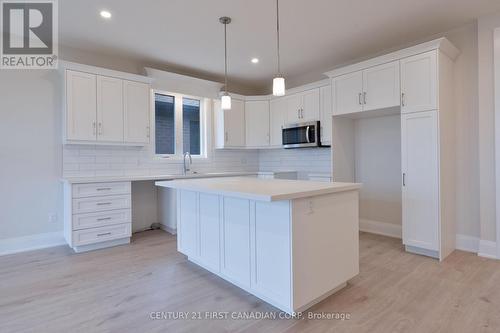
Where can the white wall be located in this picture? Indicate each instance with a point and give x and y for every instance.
(30, 152)
(378, 167)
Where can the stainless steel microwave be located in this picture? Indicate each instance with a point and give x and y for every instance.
(301, 135)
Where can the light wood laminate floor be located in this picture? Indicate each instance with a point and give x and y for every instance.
(117, 289)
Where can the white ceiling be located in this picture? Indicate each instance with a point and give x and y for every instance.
(316, 35)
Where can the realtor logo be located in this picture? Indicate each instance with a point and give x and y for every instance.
(29, 34)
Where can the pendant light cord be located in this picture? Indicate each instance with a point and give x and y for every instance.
(278, 33)
(225, 57)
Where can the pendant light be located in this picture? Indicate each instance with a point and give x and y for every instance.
(225, 98)
(279, 80)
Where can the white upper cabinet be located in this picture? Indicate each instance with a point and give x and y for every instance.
(381, 86)
(136, 112)
(102, 109)
(325, 94)
(303, 106)
(257, 123)
(81, 107)
(109, 109)
(310, 105)
(293, 108)
(230, 125)
(278, 113)
(419, 82)
(347, 93)
(370, 89)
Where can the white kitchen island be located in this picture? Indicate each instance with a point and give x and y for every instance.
(290, 243)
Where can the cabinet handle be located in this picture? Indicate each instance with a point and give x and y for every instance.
(104, 189)
(100, 128)
(364, 97)
(359, 99)
(302, 113)
(404, 179)
(104, 219)
(402, 99)
(298, 113)
(104, 234)
(103, 203)
(93, 128)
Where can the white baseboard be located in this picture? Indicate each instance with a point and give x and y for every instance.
(168, 229)
(487, 249)
(32, 242)
(380, 228)
(467, 243)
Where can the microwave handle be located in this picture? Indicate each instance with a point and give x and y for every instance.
(307, 134)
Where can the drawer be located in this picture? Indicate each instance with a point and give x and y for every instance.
(97, 189)
(100, 219)
(99, 204)
(102, 234)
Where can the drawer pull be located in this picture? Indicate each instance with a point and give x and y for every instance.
(103, 203)
(104, 234)
(104, 189)
(104, 219)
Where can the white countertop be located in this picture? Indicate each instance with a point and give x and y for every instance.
(259, 189)
(104, 179)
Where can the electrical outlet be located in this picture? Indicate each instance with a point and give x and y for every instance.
(53, 218)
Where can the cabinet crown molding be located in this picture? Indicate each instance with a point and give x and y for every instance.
(442, 44)
(67, 65)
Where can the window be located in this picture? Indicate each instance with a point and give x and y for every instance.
(179, 125)
(165, 124)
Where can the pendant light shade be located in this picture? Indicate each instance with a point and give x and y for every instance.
(225, 101)
(225, 97)
(279, 80)
(279, 86)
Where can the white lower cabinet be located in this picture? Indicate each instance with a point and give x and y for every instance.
(271, 255)
(236, 240)
(209, 252)
(97, 215)
(289, 253)
(187, 241)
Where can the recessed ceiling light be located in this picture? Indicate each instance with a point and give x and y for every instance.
(255, 60)
(105, 14)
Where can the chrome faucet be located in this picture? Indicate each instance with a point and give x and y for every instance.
(186, 167)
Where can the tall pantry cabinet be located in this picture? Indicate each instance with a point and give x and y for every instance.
(422, 76)
(428, 154)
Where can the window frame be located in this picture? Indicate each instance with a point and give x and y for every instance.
(178, 126)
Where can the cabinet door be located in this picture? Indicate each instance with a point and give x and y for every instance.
(109, 109)
(420, 167)
(419, 83)
(271, 255)
(235, 263)
(310, 105)
(257, 123)
(381, 86)
(187, 222)
(347, 93)
(234, 125)
(136, 111)
(294, 108)
(326, 114)
(277, 120)
(209, 230)
(81, 107)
